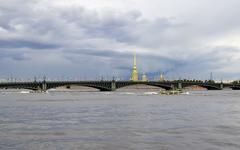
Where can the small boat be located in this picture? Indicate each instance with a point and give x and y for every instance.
(25, 92)
(128, 93)
(173, 92)
(150, 93)
(185, 93)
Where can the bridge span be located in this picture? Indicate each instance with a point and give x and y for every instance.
(114, 85)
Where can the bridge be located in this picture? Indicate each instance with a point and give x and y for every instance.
(114, 85)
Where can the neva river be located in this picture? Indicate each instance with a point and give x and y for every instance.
(207, 120)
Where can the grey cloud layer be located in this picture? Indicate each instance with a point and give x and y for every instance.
(76, 41)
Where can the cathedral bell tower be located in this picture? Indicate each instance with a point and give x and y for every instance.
(134, 72)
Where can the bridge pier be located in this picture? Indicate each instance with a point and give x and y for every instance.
(113, 86)
(44, 86)
(221, 86)
(39, 89)
(180, 85)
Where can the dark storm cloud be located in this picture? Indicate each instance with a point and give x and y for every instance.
(25, 44)
(12, 55)
(113, 25)
(93, 42)
(98, 52)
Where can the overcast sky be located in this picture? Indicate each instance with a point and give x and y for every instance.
(88, 39)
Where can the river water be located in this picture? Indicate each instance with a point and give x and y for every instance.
(205, 120)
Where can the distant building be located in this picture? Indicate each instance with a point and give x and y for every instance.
(3, 80)
(162, 77)
(144, 77)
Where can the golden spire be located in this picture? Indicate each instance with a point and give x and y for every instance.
(134, 72)
(134, 61)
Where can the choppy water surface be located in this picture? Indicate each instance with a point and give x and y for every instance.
(205, 120)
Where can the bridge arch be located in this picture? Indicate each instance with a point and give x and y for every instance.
(206, 86)
(139, 87)
(159, 85)
(94, 86)
(195, 88)
(79, 88)
(235, 87)
(26, 87)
